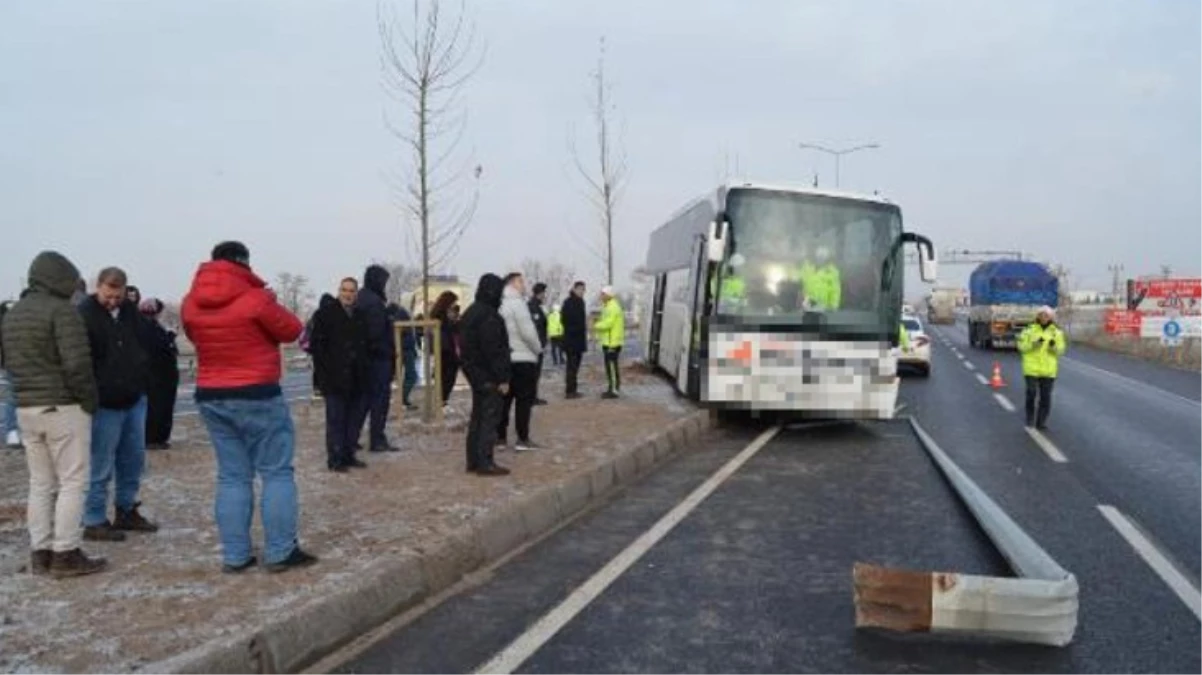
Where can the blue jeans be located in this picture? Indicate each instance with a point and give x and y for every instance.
(118, 451)
(409, 381)
(8, 403)
(253, 437)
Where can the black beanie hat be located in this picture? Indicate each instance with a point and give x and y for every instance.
(232, 251)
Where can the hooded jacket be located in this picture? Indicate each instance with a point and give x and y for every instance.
(484, 338)
(237, 327)
(338, 347)
(1041, 348)
(45, 342)
(372, 306)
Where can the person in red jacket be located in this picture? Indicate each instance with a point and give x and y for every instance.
(237, 327)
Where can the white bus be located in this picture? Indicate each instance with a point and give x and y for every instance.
(774, 344)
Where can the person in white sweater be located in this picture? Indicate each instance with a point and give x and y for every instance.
(524, 351)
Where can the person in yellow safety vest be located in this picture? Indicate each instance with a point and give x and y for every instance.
(555, 335)
(611, 333)
(822, 282)
(1041, 344)
(903, 337)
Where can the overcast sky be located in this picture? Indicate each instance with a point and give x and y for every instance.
(140, 133)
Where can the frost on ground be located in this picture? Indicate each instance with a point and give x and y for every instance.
(164, 593)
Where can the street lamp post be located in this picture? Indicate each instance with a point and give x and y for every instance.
(838, 154)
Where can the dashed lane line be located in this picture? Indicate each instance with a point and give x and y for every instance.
(527, 644)
(1004, 402)
(1158, 561)
(982, 379)
(1046, 445)
(969, 365)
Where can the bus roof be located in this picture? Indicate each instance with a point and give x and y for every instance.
(802, 189)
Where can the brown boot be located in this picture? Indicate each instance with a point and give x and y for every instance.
(132, 521)
(103, 532)
(39, 562)
(74, 563)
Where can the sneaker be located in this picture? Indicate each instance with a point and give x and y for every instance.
(132, 521)
(39, 562)
(387, 447)
(103, 532)
(295, 560)
(13, 440)
(501, 444)
(227, 568)
(494, 470)
(74, 563)
(526, 445)
(610, 395)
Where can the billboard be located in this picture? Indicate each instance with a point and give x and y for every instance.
(1122, 322)
(1186, 327)
(1157, 297)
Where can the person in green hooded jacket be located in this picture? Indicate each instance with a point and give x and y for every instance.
(1041, 344)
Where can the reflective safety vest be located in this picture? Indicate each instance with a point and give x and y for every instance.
(554, 324)
(822, 285)
(611, 326)
(1041, 347)
(903, 338)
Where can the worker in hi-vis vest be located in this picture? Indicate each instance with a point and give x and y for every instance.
(822, 282)
(611, 333)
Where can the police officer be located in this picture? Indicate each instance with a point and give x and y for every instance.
(822, 281)
(1041, 345)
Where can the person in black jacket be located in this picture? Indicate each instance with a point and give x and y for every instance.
(537, 298)
(376, 393)
(119, 424)
(486, 365)
(446, 312)
(163, 370)
(575, 336)
(339, 350)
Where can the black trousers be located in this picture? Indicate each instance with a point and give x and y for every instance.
(523, 386)
(374, 402)
(450, 371)
(1039, 388)
(538, 377)
(160, 406)
(482, 428)
(341, 433)
(613, 374)
(572, 371)
(556, 351)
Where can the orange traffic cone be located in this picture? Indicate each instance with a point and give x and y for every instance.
(996, 381)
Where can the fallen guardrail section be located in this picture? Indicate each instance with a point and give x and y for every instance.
(1038, 606)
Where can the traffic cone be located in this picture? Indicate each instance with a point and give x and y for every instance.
(996, 381)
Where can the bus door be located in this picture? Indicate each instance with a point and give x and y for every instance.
(699, 284)
(657, 317)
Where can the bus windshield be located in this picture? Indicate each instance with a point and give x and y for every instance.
(794, 254)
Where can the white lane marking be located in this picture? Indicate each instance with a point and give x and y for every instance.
(1046, 445)
(1176, 398)
(982, 379)
(1159, 563)
(1004, 402)
(969, 365)
(512, 657)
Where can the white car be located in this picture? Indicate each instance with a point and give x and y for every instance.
(918, 356)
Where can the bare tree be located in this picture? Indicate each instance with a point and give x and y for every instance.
(605, 180)
(425, 65)
(293, 291)
(402, 278)
(557, 276)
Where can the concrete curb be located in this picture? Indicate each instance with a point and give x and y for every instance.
(389, 587)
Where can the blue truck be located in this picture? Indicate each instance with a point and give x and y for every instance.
(1004, 296)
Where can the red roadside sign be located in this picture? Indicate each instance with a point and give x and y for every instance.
(1122, 322)
(1155, 297)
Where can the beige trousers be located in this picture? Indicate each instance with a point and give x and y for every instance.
(58, 441)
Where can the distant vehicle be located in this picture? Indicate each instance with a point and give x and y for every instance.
(918, 357)
(941, 306)
(768, 346)
(1004, 296)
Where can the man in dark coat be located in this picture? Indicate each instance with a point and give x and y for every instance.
(163, 356)
(376, 394)
(487, 367)
(122, 375)
(337, 343)
(537, 298)
(575, 336)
